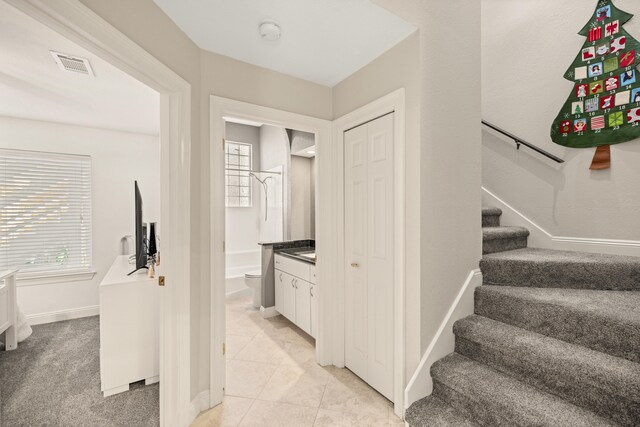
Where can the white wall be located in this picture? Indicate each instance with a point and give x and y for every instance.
(146, 25)
(526, 49)
(243, 224)
(397, 68)
(275, 152)
(301, 216)
(208, 74)
(301, 142)
(440, 70)
(117, 160)
(313, 197)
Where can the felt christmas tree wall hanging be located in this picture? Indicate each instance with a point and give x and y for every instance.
(604, 105)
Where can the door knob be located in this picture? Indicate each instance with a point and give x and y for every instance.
(355, 265)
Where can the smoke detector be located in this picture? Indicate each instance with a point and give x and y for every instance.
(269, 30)
(72, 63)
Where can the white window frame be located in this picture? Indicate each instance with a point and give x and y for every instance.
(228, 174)
(57, 273)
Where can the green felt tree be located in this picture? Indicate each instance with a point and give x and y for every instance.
(604, 105)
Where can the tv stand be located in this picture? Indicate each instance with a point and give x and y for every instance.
(129, 328)
(138, 269)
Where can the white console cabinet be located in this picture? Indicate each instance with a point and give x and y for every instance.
(295, 293)
(129, 331)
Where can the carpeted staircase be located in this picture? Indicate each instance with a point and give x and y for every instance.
(554, 341)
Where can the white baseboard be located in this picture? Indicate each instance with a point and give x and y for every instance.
(198, 405)
(58, 316)
(443, 343)
(540, 238)
(268, 312)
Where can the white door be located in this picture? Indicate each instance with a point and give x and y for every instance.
(369, 253)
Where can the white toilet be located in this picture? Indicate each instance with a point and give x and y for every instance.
(253, 279)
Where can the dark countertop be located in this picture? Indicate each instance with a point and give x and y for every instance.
(296, 253)
(290, 244)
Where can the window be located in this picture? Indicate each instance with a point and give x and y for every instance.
(238, 181)
(45, 212)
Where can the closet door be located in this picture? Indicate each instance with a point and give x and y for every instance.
(355, 230)
(369, 206)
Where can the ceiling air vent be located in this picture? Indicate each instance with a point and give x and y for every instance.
(72, 63)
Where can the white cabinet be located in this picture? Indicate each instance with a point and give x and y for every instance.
(314, 310)
(295, 293)
(312, 275)
(303, 305)
(289, 297)
(129, 331)
(279, 281)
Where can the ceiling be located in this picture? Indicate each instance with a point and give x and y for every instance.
(33, 87)
(323, 41)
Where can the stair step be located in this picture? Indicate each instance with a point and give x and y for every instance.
(499, 239)
(561, 269)
(605, 321)
(607, 385)
(493, 399)
(491, 217)
(433, 412)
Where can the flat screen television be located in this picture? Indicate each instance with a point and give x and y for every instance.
(141, 251)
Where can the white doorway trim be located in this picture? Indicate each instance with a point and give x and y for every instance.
(219, 109)
(81, 25)
(393, 102)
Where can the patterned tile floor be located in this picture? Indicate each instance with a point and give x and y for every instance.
(273, 380)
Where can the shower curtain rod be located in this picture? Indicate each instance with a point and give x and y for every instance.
(246, 170)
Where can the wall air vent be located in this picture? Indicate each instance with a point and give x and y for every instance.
(73, 64)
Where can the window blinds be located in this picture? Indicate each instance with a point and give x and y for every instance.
(45, 212)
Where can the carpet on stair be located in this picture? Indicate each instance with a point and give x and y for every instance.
(605, 321)
(491, 217)
(495, 399)
(500, 239)
(542, 268)
(433, 412)
(607, 385)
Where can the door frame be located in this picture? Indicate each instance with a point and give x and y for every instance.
(78, 23)
(219, 109)
(393, 102)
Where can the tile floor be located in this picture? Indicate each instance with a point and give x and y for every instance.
(273, 380)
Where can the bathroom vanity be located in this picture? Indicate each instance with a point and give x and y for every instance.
(296, 287)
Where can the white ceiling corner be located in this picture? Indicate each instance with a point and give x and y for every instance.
(33, 87)
(323, 41)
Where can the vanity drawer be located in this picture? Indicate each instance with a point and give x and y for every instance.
(299, 269)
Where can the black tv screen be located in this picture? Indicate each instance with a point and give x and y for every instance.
(141, 253)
